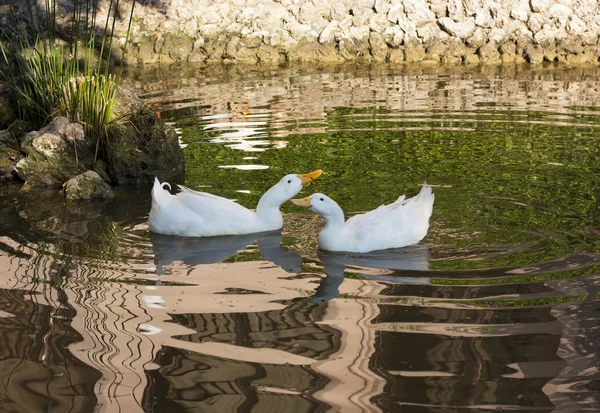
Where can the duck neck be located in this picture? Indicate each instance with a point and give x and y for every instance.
(268, 211)
(334, 220)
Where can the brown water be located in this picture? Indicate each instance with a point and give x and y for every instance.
(498, 309)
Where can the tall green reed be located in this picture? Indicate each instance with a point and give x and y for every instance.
(50, 77)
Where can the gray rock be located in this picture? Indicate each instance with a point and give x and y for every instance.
(56, 153)
(142, 147)
(88, 185)
(462, 30)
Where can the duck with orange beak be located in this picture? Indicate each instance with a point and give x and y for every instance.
(399, 224)
(200, 214)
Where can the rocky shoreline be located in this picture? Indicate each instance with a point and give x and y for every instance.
(60, 155)
(430, 31)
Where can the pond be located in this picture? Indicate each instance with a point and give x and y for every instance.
(498, 308)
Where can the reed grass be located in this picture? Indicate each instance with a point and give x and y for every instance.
(49, 77)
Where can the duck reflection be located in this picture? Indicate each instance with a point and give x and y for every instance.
(194, 251)
(414, 258)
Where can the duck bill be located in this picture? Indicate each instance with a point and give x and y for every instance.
(308, 178)
(304, 202)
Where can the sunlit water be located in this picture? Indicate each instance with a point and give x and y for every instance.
(497, 309)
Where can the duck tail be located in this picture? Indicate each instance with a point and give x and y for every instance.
(159, 195)
(426, 198)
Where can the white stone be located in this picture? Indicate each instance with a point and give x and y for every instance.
(497, 35)
(418, 11)
(455, 10)
(535, 22)
(407, 25)
(560, 12)
(393, 36)
(395, 12)
(477, 39)
(359, 33)
(519, 14)
(483, 18)
(379, 23)
(575, 26)
(382, 6)
(327, 35)
(546, 36)
(429, 32)
(541, 6)
(461, 30)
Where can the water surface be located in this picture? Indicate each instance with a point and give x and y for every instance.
(497, 309)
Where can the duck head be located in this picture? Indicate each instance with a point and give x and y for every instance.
(290, 185)
(319, 203)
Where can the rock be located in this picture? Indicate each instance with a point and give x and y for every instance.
(142, 147)
(327, 35)
(418, 11)
(414, 53)
(268, 54)
(535, 23)
(382, 6)
(88, 185)
(101, 168)
(560, 12)
(461, 30)
(534, 55)
(488, 53)
(439, 8)
(393, 36)
(8, 114)
(477, 39)
(8, 158)
(395, 12)
(540, 6)
(429, 32)
(396, 56)
(521, 14)
(378, 47)
(483, 18)
(546, 37)
(56, 153)
(575, 26)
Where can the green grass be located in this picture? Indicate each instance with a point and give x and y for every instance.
(48, 78)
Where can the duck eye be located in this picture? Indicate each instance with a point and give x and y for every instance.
(289, 181)
(322, 199)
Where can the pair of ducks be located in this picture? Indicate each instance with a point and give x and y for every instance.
(199, 214)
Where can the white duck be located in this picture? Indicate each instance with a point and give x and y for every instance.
(199, 214)
(402, 223)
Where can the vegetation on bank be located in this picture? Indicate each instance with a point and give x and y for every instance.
(49, 76)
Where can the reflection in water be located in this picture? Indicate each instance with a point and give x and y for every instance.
(37, 371)
(498, 309)
(193, 251)
(337, 266)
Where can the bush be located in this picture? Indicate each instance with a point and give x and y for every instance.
(49, 78)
